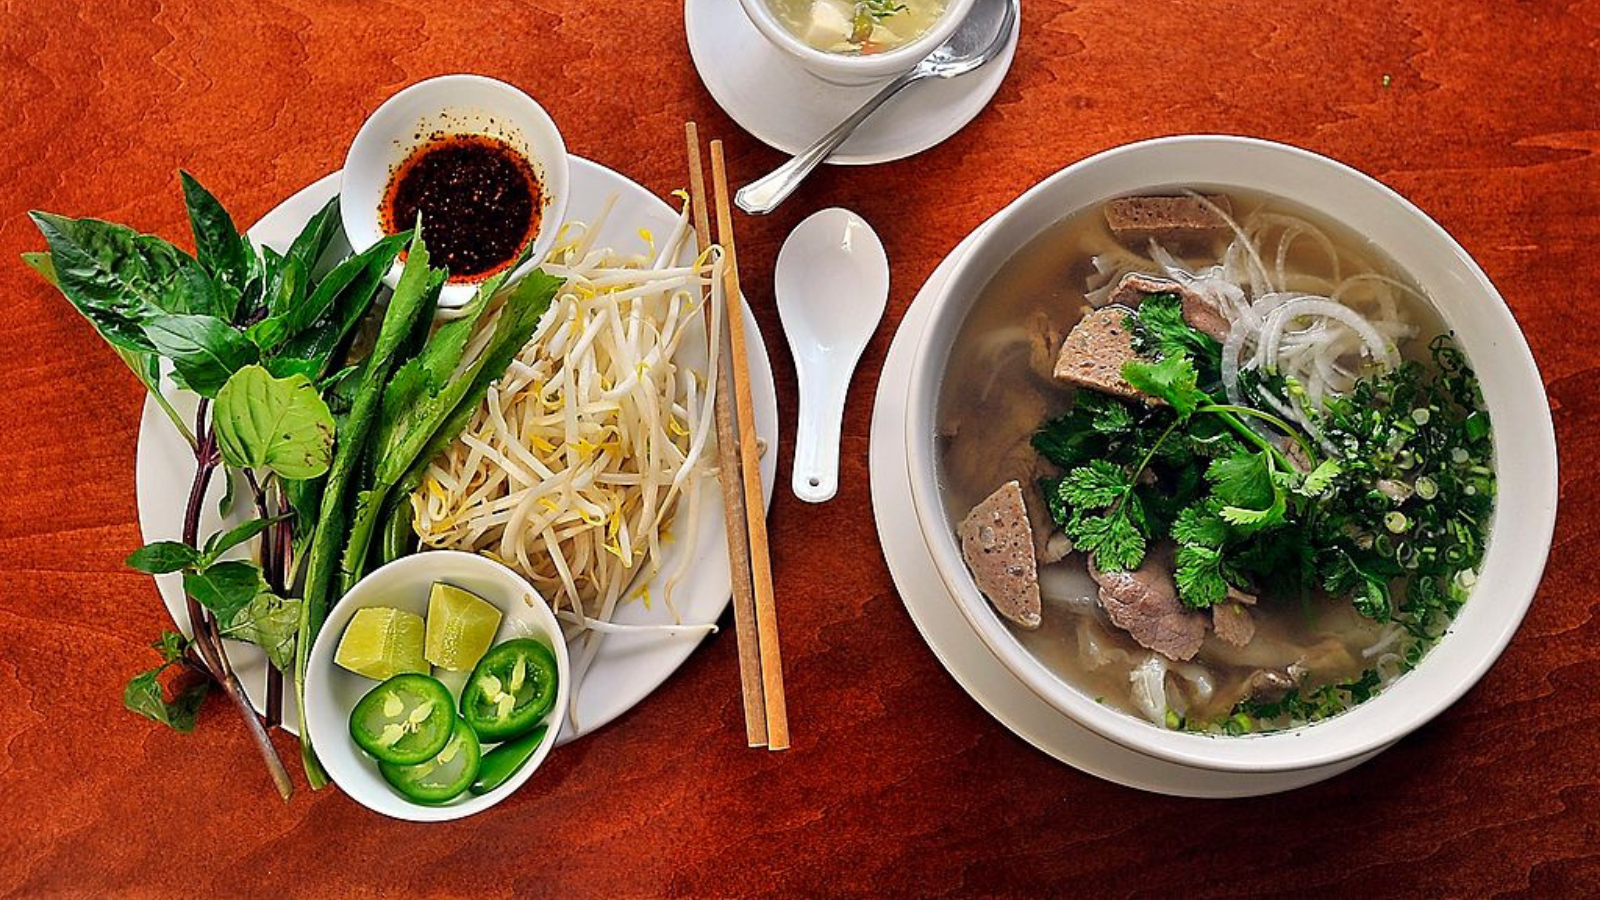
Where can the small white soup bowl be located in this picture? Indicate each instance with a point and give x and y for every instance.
(451, 104)
(332, 692)
(1524, 439)
(851, 69)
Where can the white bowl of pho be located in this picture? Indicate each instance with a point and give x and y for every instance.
(1205, 437)
(856, 41)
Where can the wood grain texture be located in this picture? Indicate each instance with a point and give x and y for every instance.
(898, 783)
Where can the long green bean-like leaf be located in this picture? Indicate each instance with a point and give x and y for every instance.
(419, 426)
(409, 300)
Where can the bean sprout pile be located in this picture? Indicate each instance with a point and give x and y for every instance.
(581, 455)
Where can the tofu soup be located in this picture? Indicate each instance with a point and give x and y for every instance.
(1215, 460)
(857, 27)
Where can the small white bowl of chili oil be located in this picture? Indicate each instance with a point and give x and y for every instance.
(482, 164)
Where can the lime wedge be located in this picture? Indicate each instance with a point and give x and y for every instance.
(461, 626)
(381, 643)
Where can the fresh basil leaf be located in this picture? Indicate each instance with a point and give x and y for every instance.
(205, 351)
(223, 541)
(222, 252)
(116, 276)
(172, 646)
(289, 366)
(270, 622)
(313, 240)
(286, 288)
(225, 587)
(267, 333)
(40, 262)
(278, 423)
(161, 557)
(143, 696)
(350, 273)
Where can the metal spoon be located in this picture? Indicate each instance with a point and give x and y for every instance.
(980, 38)
(832, 283)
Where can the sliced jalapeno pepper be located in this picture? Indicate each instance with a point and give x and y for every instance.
(505, 760)
(404, 720)
(511, 689)
(446, 775)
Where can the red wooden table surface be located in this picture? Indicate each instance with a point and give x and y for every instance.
(1484, 114)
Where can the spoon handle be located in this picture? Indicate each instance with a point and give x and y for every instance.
(765, 193)
(824, 385)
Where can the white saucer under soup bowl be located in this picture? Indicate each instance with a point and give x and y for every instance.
(1513, 393)
(452, 105)
(772, 96)
(854, 68)
(332, 691)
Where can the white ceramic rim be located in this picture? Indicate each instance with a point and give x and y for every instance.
(856, 68)
(379, 139)
(320, 664)
(1523, 436)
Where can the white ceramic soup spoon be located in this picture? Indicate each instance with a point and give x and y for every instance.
(832, 284)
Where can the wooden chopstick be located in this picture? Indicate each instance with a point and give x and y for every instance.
(744, 623)
(755, 512)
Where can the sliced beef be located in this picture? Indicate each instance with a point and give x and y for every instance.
(1269, 685)
(1144, 603)
(1174, 221)
(1201, 314)
(997, 543)
(1232, 623)
(1094, 351)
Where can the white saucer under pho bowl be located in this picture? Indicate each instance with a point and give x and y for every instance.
(627, 667)
(785, 107)
(1520, 534)
(934, 612)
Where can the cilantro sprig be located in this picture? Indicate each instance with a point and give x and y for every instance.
(1388, 506)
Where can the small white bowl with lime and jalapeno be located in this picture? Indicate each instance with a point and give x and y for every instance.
(369, 726)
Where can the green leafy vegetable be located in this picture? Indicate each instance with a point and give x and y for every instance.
(1172, 379)
(411, 299)
(144, 696)
(222, 252)
(225, 587)
(161, 557)
(223, 541)
(204, 350)
(415, 408)
(1159, 330)
(281, 424)
(271, 623)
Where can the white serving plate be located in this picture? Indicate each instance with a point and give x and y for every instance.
(628, 667)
